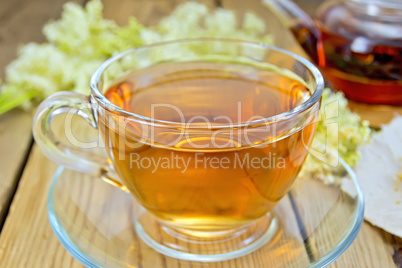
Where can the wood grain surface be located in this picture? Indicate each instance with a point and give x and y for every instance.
(363, 252)
(26, 239)
(21, 22)
(15, 144)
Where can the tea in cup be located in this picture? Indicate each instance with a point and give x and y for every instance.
(208, 135)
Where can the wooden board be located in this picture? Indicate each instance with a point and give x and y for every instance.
(21, 22)
(40, 248)
(27, 239)
(369, 248)
(15, 143)
(377, 115)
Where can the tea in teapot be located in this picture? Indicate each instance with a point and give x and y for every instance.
(356, 43)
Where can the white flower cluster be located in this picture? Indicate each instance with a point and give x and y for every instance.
(82, 39)
(349, 133)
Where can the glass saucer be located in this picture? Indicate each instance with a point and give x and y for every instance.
(315, 224)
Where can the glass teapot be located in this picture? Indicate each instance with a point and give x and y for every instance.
(356, 43)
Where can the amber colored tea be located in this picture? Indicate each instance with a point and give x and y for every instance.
(206, 181)
(365, 72)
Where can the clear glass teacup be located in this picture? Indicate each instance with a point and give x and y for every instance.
(207, 134)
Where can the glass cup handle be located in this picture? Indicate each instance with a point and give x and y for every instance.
(68, 156)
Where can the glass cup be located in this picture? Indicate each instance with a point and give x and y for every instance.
(207, 134)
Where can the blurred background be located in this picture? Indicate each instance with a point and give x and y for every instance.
(22, 20)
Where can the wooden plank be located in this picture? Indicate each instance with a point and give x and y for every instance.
(21, 22)
(368, 250)
(322, 227)
(20, 245)
(27, 239)
(15, 142)
(378, 115)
